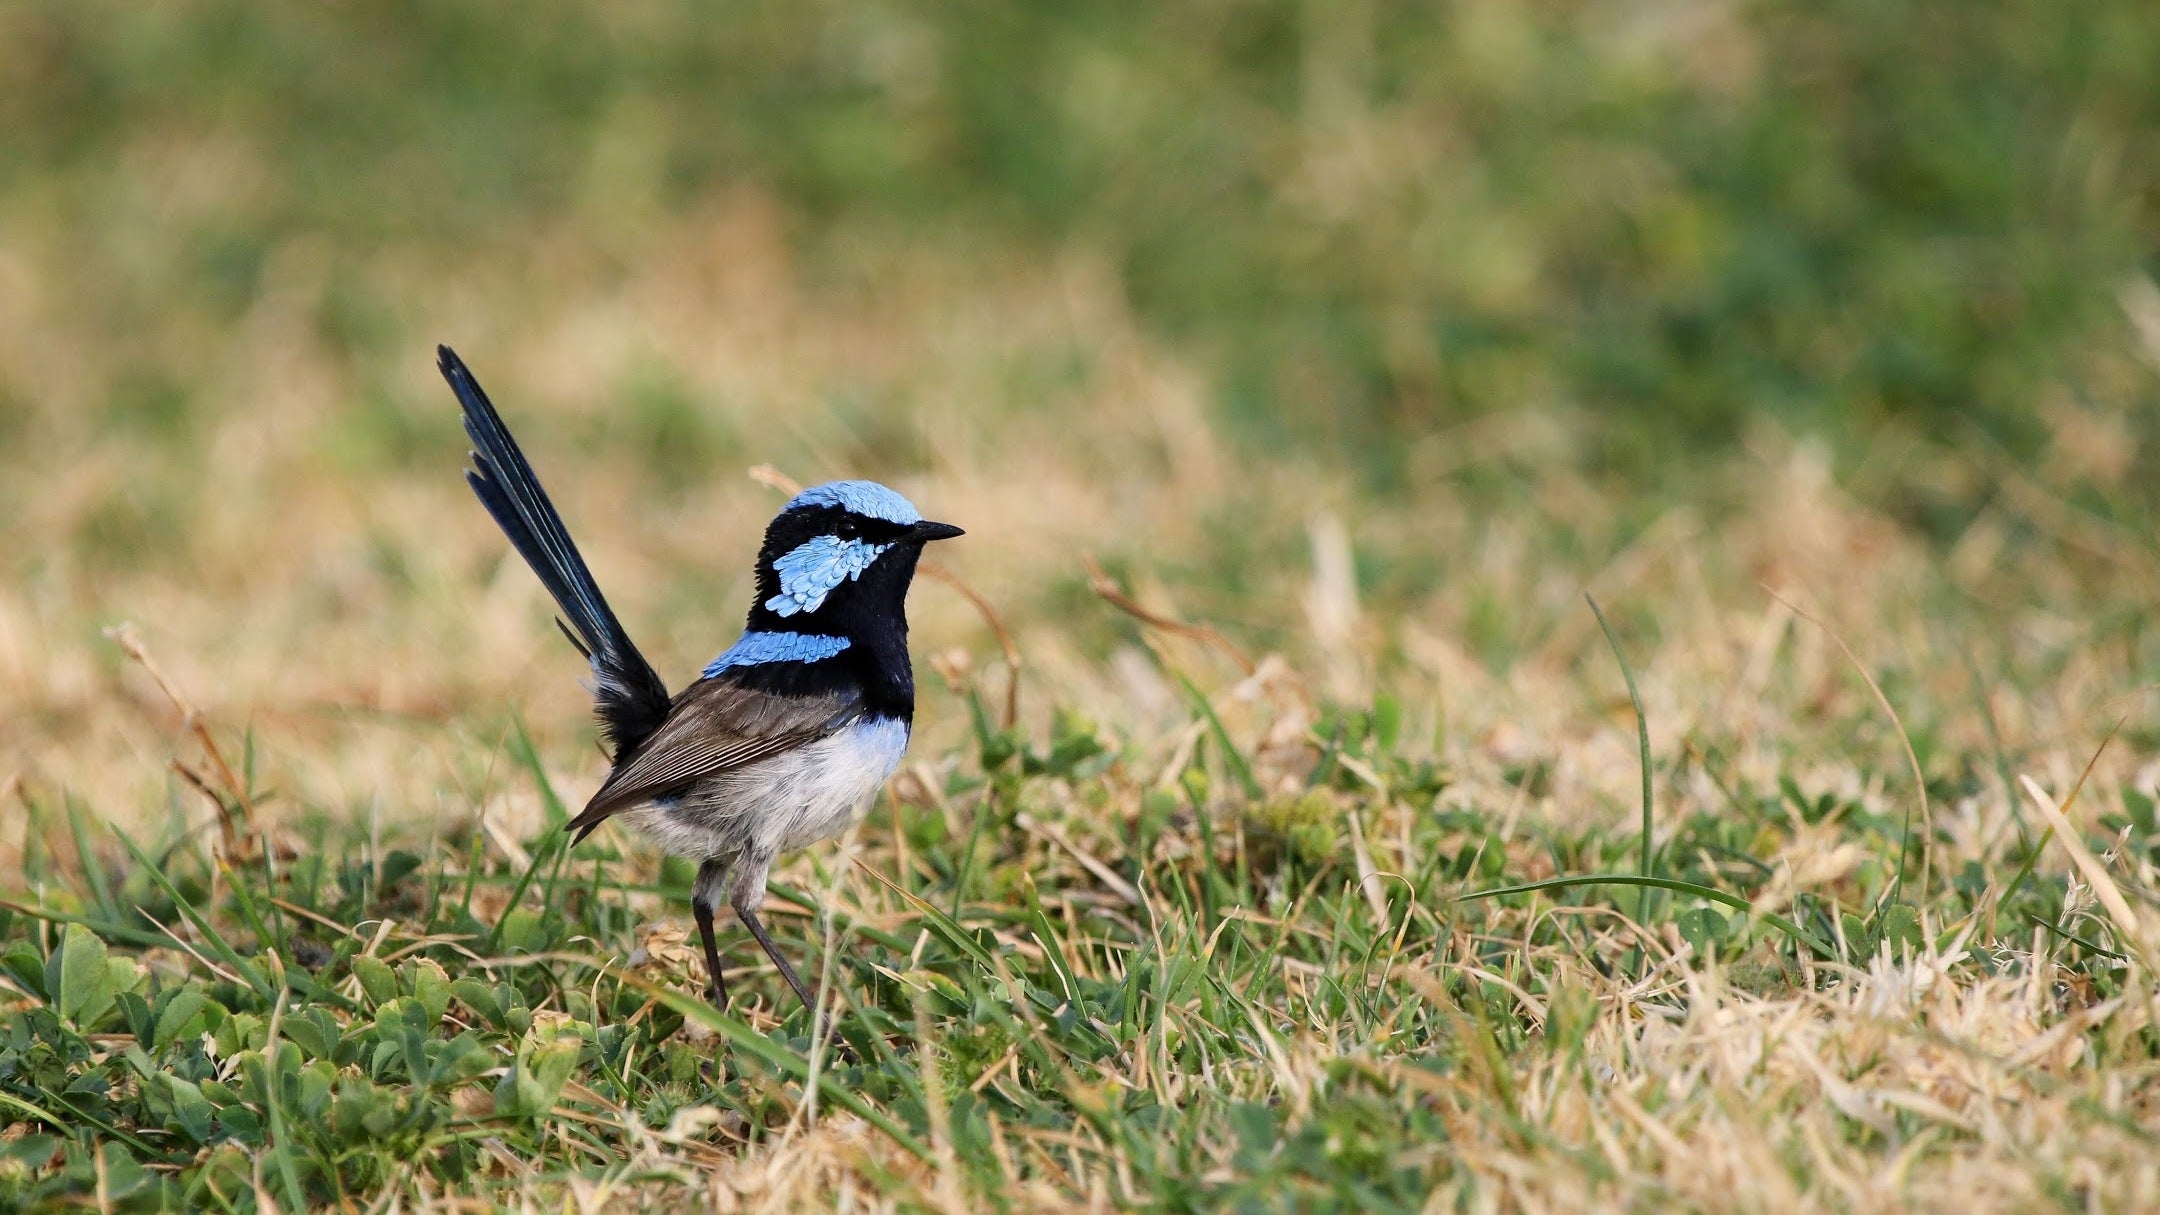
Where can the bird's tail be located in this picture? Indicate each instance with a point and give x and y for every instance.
(628, 695)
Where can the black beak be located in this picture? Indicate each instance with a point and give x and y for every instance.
(926, 531)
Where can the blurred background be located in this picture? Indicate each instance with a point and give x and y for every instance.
(1368, 332)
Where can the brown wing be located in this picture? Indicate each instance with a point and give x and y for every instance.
(713, 726)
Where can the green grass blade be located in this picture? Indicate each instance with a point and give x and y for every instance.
(93, 872)
(1713, 894)
(1642, 743)
(550, 844)
(274, 1105)
(743, 1038)
(1231, 754)
(551, 802)
(946, 927)
(211, 936)
(2067, 935)
(109, 929)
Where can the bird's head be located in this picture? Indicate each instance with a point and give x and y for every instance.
(837, 561)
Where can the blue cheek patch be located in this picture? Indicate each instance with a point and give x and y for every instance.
(755, 649)
(815, 568)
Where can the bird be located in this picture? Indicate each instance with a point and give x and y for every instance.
(786, 737)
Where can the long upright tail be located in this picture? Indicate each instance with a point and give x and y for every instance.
(628, 696)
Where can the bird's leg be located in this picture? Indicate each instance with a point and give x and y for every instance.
(750, 920)
(831, 1033)
(746, 893)
(704, 897)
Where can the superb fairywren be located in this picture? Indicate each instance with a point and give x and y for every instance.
(789, 734)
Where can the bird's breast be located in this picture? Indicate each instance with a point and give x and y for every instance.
(820, 790)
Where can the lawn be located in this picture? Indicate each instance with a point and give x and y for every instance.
(1554, 615)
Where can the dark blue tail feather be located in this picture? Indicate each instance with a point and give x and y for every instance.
(629, 697)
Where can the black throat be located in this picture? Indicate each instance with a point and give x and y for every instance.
(869, 611)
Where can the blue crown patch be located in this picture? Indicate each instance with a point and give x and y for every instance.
(866, 498)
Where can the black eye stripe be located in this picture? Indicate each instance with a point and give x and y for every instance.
(792, 528)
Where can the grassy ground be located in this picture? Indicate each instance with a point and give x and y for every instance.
(1294, 390)
(1183, 936)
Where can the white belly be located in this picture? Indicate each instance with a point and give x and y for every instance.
(782, 803)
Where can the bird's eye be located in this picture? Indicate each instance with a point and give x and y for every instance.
(850, 530)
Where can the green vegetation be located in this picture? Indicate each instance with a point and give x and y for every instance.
(1196, 1007)
(1274, 834)
(1366, 218)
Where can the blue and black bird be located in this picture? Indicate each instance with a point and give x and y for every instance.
(788, 735)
